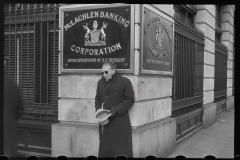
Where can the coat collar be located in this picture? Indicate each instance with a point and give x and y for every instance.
(109, 83)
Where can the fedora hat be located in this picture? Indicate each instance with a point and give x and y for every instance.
(101, 116)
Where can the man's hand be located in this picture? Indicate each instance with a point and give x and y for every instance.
(113, 111)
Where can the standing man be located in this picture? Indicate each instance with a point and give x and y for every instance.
(13, 109)
(117, 94)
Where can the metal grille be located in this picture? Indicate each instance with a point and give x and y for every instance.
(188, 71)
(31, 42)
(220, 80)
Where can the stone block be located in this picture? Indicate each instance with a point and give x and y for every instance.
(229, 91)
(67, 86)
(227, 36)
(210, 8)
(229, 82)
(209, 114)
(226, 26)
(227, 17)
(208, 84)
(227, 9)
(230, 103)
(229, 64)
(209, 58)
(144, 112)
(229, 73)
(74, 140)
(76, 110)
(78, 86)
(208, 96)
(203, 16)
(166, 8)
(209, 45)
(230, 55)
(209, 32)
(228, 44)
(208, 71)
(157, 139)
(147, 87)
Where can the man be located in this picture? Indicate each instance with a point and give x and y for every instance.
(117, 94)
(13, 110)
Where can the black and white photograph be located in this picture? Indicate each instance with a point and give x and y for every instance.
(118, 80)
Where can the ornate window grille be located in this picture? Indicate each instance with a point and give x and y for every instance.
(31, 42)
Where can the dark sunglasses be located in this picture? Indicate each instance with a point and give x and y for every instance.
(106, 72)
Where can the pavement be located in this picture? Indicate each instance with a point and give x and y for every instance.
(216, 140)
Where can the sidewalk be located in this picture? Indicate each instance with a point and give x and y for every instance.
(217, 140)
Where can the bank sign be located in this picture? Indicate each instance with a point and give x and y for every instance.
(156, 41)
(94, 35)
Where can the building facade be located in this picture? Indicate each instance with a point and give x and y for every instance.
(179, 58)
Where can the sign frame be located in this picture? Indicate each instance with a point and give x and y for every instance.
(88, 7)
(165, 16)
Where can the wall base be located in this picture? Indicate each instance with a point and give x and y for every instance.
(230, 103)
(157, 139)
(209, 114)
(82, 140)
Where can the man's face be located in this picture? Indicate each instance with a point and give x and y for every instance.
(107, 72)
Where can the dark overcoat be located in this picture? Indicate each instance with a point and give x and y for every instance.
(116, 136)
(13, 109)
